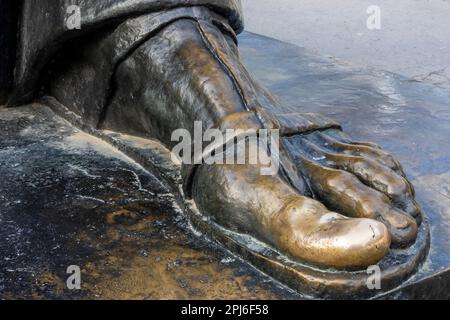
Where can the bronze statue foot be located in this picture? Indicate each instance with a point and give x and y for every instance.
(333, 203)
(355, 180)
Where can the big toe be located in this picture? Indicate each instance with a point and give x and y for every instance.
(330, 239)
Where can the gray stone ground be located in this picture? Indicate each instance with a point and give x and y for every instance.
(414, 39)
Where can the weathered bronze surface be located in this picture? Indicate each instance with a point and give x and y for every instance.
(35, 271)
(336, 207)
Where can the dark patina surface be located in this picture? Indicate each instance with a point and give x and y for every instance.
(68, 198)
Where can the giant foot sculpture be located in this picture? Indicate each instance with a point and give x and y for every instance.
(334, 203)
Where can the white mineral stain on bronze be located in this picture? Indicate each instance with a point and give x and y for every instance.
(329, 217)
(139, 143)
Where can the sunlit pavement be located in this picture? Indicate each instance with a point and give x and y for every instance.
(414, 39)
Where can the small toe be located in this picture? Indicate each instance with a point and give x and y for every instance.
(403, 228)
(376, 154)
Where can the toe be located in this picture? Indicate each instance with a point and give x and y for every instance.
(377, 154)
(403, 229)
(342, 137)
(314, 234)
